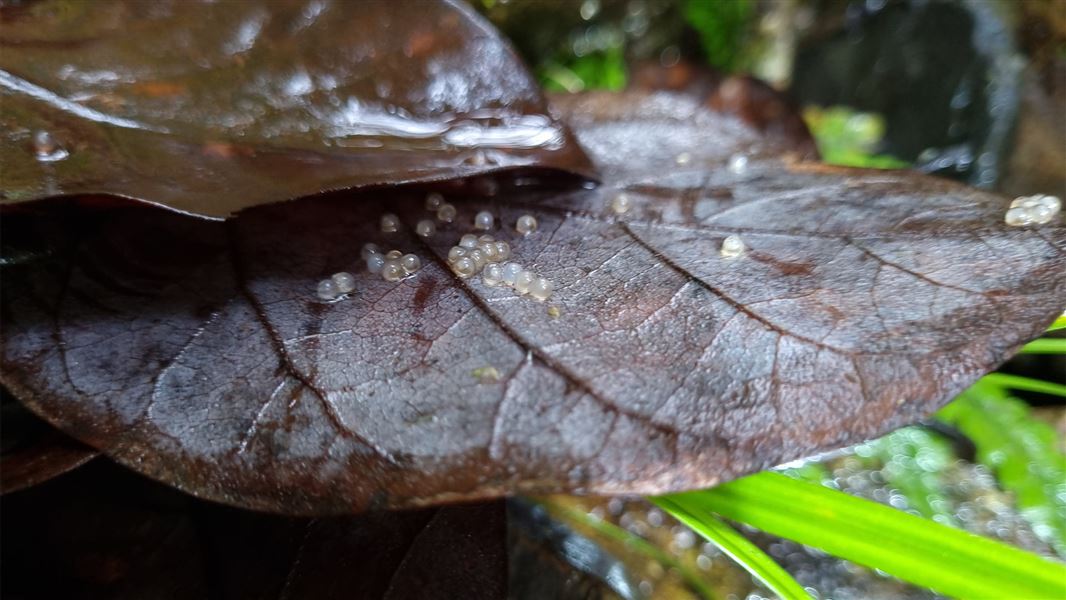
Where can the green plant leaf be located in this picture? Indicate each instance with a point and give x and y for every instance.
(1045, 346)
(1060, 323)
(1025, 384)
(1022, 452)
(739, 548)
(944, 559)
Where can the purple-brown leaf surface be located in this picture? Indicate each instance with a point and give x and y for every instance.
(211, 107)
(197, 353)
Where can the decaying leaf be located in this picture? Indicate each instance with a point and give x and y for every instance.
(198, 353)
(105, 533)
(33, 451)
(208, 108)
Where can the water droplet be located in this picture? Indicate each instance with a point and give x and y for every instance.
(47, 148)
(732, 247)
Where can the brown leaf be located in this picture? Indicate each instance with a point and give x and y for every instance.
(33, 451)
(209, 108)
(197, 352)
(105, 533)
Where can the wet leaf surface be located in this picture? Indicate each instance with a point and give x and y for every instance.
(106, 533)
(33, 451)
(197, 352)
(209, 108)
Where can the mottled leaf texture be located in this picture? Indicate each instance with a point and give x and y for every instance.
(212, 107)
(104, 533)
(197, 352)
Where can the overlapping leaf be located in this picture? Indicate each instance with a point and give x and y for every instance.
(197, 353)
(209, 108)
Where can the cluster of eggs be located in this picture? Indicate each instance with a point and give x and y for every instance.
(392, 265)
(488, 256)
(1033, 210)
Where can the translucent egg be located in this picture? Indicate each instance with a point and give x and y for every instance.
(523, 281)
(393, 255)
(683, 159)
(468, 241)
(732, 246)
(1018, 217)
(345, 282)
(503, 251)
(526, 224)
(434, 201)
(1038, 209)
(478, 257)
(510, 272)
(446, 213)
(327, 290)
(425, 228)
(621, 204)
(370, 250)
(483, 220)
(738, 163)
(492, 275)
(484, 238)
(393, 271)
(489, 250)
(541, 289)
(410, 263)
(456, 253)
(464, 267)
(375, 263)
(389, 223)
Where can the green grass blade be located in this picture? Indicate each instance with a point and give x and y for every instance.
(1045, 346)
(638, 544)
(944, 559)
(739, 548)
(1060, 323)
(1026, 384)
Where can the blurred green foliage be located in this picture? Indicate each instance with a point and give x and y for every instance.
(601, 70)
(724, 27)
(849, 138)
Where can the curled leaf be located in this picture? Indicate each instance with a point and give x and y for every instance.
(198, 352)
(209, 108)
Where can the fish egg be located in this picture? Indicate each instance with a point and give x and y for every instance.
(483, 220)
(446, 213)
(393, 255)
(425, 228)
(478, 257)
(375, 263)
(434, 201)
(468, 241)
(732, 246)
(456, 253)
(464, 267)
(526, 224)
(492, 275)
(503, 251)
(389, 223)
(510, 272)
(410, 263)
(393, 271)
(327, 290)
(1033, 210)
(345, 282)
(489, 250)
(541, 289)
(370, 250)
(621, 204)
(523, 281)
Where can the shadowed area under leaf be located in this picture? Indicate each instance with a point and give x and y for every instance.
(209, 108)
(197, 352)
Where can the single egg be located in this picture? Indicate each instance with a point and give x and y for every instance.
(327, 290)
(434, 201)
(410, 263)
(389, 223)
(425, 228)
(446, 213)
(732, 246)
(345, 282)
(483, 220)
(526, 224)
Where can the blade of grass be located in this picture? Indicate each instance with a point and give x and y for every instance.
(623, 536)
(944, 559)
(739, 548)
(1045, 346)
(1027, 384)
(1060, 323)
